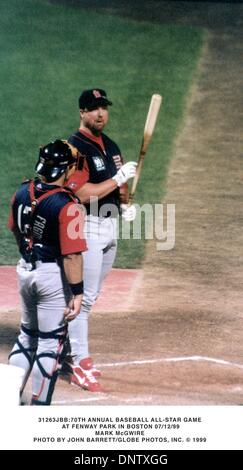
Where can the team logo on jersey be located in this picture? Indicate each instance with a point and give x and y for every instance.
(99, 163)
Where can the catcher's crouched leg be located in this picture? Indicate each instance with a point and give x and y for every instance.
(23, 352)
(47, 364)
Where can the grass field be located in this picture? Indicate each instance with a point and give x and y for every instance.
(50, 52)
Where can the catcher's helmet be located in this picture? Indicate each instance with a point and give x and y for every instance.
(54, 159)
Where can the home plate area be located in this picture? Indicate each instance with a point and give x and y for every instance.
(157, 357)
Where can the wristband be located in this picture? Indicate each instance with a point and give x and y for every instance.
(78, 288)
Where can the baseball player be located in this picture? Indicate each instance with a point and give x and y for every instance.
(106, 179)
(47, 224)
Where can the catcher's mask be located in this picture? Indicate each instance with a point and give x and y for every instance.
(54, 159)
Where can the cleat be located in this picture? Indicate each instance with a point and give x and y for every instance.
(96, 372)
(87, 364)
(83, 376)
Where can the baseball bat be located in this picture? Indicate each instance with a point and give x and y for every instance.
(152, 115)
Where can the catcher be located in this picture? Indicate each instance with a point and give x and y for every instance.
(44, 219)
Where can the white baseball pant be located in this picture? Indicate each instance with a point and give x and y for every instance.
(101, 237)
(43, 331)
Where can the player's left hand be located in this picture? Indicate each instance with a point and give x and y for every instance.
(128, 212)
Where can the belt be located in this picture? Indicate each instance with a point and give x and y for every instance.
(51, 260)
(35, 263)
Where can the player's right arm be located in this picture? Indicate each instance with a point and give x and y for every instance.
(98, 190)
(84, 190)
(80, 185)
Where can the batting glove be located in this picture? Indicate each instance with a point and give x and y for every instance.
(128, 212)
(127, 171)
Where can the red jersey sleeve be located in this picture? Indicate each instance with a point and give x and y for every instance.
(11, 224)
(71, 224)
(79, 178)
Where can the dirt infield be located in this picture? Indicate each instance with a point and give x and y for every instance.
(183, 343)
(127, 279)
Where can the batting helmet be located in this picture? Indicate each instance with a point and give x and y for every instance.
(54, 159)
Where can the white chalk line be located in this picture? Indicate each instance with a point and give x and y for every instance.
(172, 359)
(147, 361)
(80, 400)
(99, 398)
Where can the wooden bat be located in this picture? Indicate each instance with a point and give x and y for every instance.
(152, 115)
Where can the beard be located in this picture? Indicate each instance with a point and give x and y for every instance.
(96, 127)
